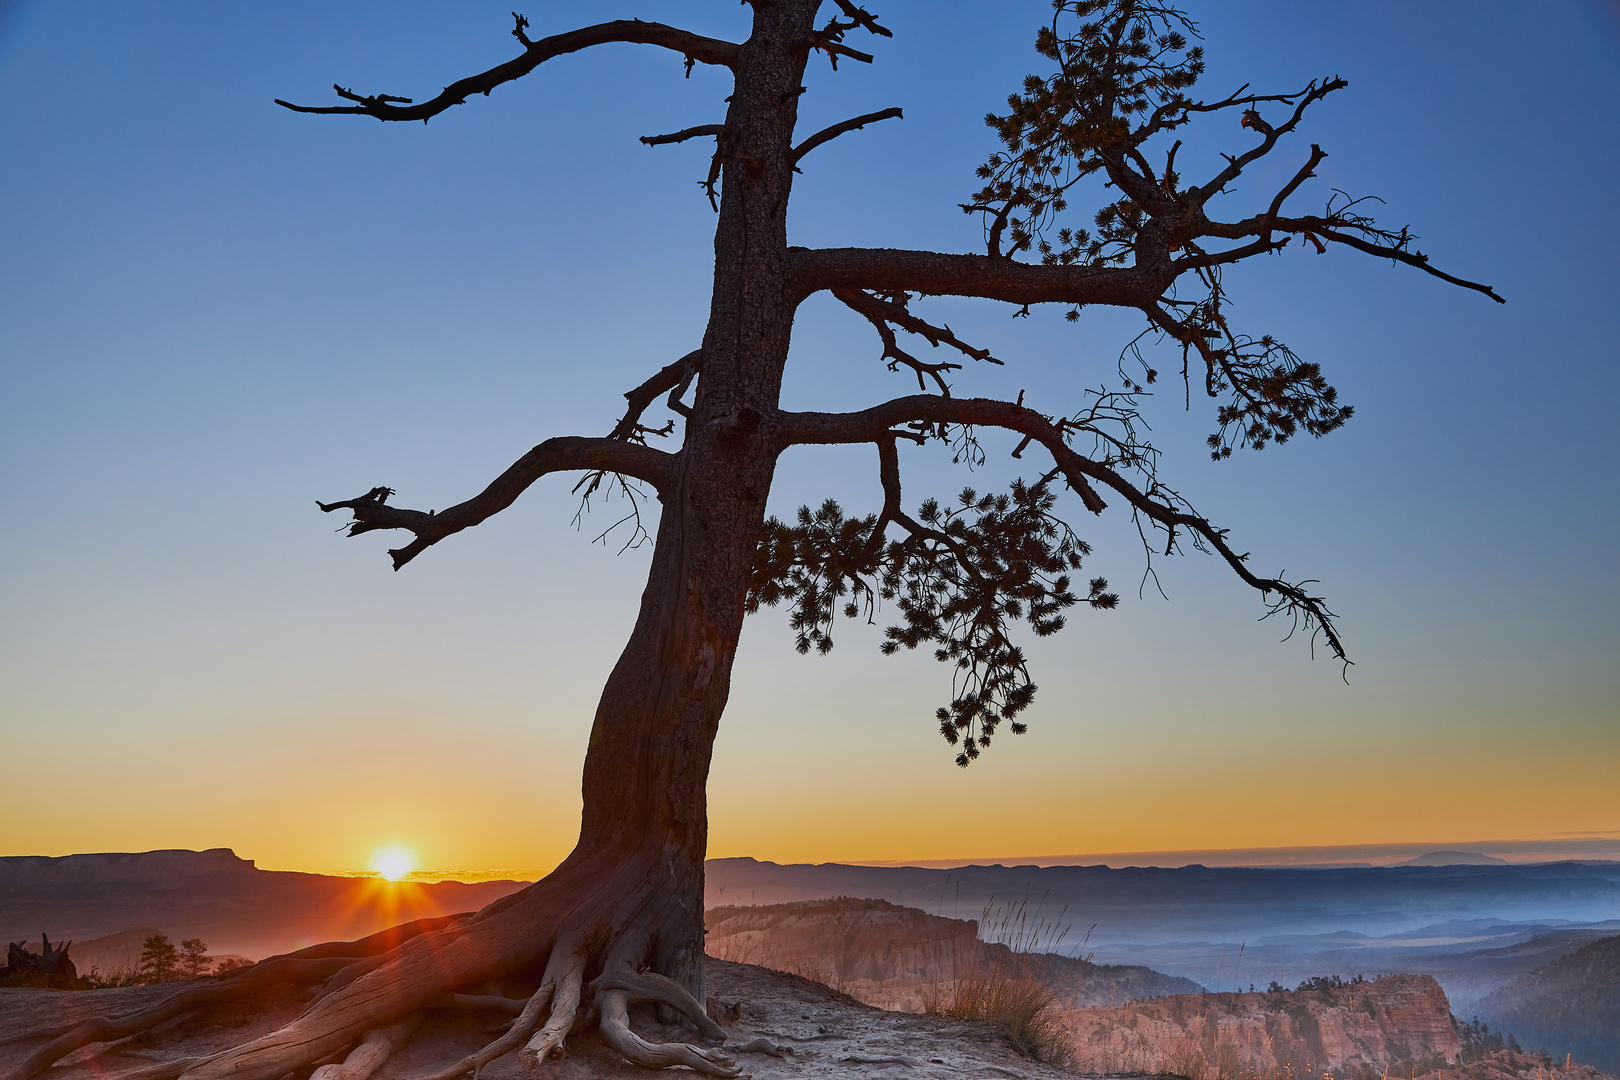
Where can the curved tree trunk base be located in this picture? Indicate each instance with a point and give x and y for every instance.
(590, 930)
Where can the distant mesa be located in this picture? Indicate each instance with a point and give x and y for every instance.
(100, 899)
(1454, 858)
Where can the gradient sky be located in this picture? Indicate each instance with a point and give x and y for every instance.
(214, 312)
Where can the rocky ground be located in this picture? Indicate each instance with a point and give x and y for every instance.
(825, 1034)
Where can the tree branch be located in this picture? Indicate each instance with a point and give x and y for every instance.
(1410, 258)
(673, 378)
(554, 455)
(891, 270)
(694, 47)
(874, 424)
(880, 313)
(862, 18)
(685, 133)
(1312, 93)
(828, 134)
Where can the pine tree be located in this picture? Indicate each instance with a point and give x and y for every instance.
(966, 575)
(160, 961)
(194, 958)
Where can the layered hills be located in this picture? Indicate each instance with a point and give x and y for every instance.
(1473, 927)
(1570, 1006)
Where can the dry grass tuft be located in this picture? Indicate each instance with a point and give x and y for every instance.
(1001, 989)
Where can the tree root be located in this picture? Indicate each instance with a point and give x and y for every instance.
(71, 1037)
(566, 972)
(650, 986)
(515, 1033)
(369, 1056)
(763, 1045)
(328, 962)
(636, 1050)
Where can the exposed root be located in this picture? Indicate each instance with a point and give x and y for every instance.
(333, 962)
(515, 1033)
(565, 971)
(638, 1051)
(369, 1056)
(483, 1002)
(163, 1070)
(650, 986)
(763, 1045)
(71, 1037)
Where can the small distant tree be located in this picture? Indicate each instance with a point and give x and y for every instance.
(194, 958)
(231, 963)
(159, 959)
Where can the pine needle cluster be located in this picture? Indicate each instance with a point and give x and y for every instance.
(1123, 73)
(959, 579)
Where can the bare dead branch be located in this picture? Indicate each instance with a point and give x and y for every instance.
(1312, 93)
(1410, 258)
(1340, 228)
(371, 510)
(685, 133)
(862, 18)
(694, 47)
(673, 378)
(881, 313)
(830, 133)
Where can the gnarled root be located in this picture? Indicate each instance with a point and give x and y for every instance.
(515, 1033)
(616, 1030)
(328, 963)
(566, 972)
(614, 913)
(373, 1050)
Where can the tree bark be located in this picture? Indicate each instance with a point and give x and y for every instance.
(647, 766)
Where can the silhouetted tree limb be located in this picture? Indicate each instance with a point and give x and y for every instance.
(882, 312)
(694, 47)
(371, 510)
(673, 378)
(1167, 511)
(893, 270)
(698, 132)
(830, 133)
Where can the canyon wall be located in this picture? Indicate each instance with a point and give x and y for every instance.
(899, 958)
(1370, 1025)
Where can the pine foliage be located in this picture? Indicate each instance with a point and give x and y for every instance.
(959, 579)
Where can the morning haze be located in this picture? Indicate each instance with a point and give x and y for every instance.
(215, 310)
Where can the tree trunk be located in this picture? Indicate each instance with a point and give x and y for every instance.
(630, 896)
(647, 766)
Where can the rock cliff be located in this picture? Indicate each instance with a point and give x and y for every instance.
(1370, 1025)
(897, 957)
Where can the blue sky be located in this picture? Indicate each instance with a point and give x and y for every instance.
(214, 312)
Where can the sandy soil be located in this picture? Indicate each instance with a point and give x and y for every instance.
(827, 1034)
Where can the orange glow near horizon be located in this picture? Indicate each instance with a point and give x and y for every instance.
(393, 862)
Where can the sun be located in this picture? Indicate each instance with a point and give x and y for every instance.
(393, 862)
